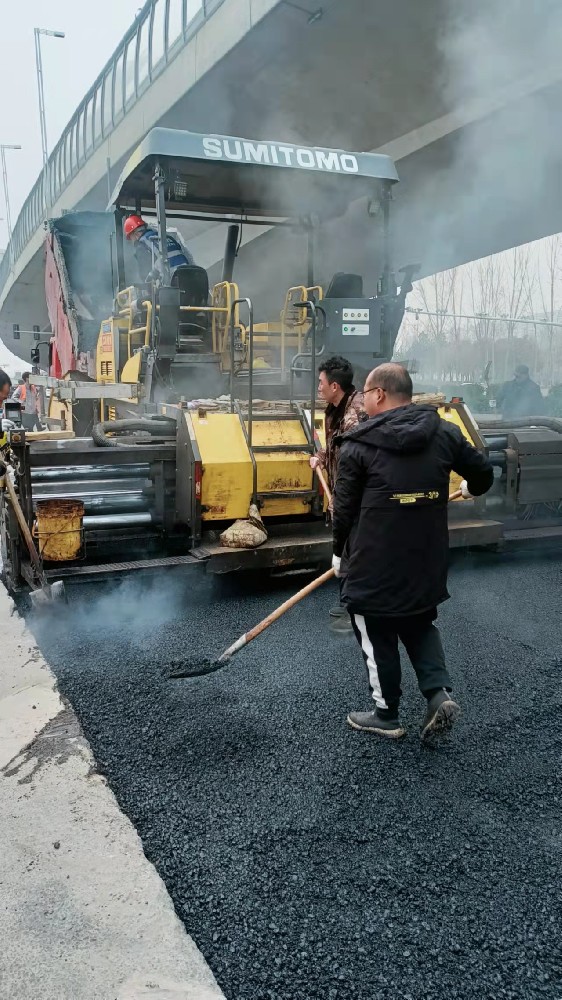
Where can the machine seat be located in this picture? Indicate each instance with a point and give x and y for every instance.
(193, 283)
(194, 328)
(345, 286)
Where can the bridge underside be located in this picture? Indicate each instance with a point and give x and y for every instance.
(479, 153)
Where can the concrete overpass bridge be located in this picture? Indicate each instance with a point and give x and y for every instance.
(465, 96)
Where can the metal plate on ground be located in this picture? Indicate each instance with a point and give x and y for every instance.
(466, 533)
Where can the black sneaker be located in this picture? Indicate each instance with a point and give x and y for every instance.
(338, 612)
(341, 624)
(440, 716)
(371, 722)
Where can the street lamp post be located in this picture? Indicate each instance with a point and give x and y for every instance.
(3, 149)
(40, 89)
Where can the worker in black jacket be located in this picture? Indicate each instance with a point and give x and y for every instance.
(390, 519)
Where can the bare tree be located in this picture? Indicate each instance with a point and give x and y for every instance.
(518, 295)
(474, 315)
(486, 278)
(437, 297)
(457, 292)
(549, 264)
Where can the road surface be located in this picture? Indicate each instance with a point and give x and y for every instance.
(311, 862)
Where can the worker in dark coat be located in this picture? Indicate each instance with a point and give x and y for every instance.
(390, 521)
(521, 397)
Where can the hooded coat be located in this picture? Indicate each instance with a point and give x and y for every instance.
(390, 508)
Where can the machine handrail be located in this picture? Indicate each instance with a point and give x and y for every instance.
(233, 325)
(234, 407)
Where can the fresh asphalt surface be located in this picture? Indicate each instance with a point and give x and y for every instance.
(311, 861)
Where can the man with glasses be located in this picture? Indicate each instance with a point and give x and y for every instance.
(390, 522)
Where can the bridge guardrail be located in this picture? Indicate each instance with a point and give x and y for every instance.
(160, 30)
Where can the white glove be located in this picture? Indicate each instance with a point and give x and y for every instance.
(7, 425)
(336, 564)
(466, 495)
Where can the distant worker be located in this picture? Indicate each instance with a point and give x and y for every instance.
(521, 397)
(344, 410)
(27, 396)
(390, 521)
(147, 248)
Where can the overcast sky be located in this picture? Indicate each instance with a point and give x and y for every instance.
(70, 66)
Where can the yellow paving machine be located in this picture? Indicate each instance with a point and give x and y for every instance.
(173, 406)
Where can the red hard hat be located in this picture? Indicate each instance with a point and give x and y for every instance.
(132, 223)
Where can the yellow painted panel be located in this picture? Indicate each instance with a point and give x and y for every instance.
(452, 416)
(278, 471)
(61, 411)
(227, 467)
(131, 369)
(227, 470)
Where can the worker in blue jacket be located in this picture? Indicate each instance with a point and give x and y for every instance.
(147, 248)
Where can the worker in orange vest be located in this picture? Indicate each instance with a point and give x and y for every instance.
(27, 396)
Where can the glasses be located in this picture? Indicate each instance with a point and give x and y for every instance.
(372, 389)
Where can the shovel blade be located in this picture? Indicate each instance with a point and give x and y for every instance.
(58, 593)
(49, 594)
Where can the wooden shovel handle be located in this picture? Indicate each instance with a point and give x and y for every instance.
(323, 480)
(24, 527)
(287, 605)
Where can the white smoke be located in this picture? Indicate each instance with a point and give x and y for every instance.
(490, 180)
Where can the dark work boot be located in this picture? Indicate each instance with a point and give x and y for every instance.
(441, 713)
(342, 623)
(371, 722)
(338, 612)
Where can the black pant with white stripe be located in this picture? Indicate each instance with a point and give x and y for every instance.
(378, 638)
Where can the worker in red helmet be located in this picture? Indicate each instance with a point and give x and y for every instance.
(147, 248)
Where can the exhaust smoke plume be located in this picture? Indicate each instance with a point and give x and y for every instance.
(484, 177)
(492, 181)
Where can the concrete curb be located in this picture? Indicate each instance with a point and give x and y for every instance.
(84, 915)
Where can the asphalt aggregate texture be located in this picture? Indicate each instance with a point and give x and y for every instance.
(309, 861)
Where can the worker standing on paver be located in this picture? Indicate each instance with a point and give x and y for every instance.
(390, 521)
(344, 411)
(147, 248)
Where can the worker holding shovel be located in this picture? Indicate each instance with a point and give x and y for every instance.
(344, 410)
(390, 522)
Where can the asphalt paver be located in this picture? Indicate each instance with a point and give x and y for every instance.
(309, 861)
